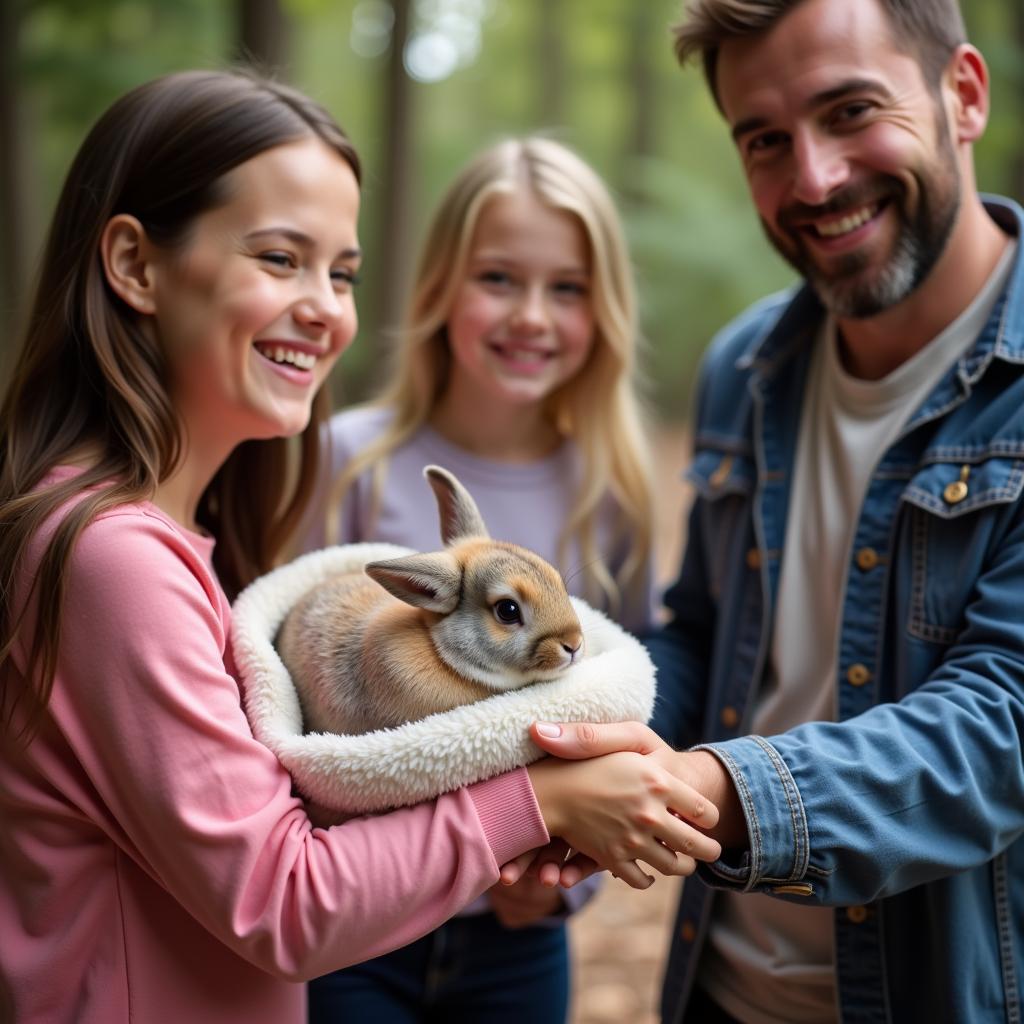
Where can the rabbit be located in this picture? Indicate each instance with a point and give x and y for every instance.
(425, 633)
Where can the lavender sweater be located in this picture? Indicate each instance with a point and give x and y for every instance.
(524, 503)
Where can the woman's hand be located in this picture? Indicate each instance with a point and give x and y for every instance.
(699, 768)
(623, 807)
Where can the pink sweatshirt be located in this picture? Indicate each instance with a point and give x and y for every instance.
(154, 864)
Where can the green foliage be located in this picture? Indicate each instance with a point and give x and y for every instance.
(77, 56)
(701, 258)
(697, 246)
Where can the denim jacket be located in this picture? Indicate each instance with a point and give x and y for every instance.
(906, 814)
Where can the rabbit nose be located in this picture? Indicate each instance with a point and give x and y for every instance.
(571, 650)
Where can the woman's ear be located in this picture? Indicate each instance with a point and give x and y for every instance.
(127, 262)
(967, 80)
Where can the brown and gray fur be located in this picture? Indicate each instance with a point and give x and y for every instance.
(419, 634)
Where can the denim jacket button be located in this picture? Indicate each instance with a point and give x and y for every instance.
(867, 559)
(729, 717)
(857, 915)
(721, 473)
(858, 675)
(687, 932)
(955, 492)
(753, 559)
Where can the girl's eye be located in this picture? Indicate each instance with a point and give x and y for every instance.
(571, 289)
(508, 611)
(495, 278)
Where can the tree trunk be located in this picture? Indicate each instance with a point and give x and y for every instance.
(394, 243)
(641, 89)
(551, 63)
(14, 255)
(1018, 163)
(264, 36)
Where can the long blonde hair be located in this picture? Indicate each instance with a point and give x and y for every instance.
(598, 408)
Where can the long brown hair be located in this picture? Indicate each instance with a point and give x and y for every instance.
(87, 377)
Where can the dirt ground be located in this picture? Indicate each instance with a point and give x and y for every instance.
(620, 939)
(619, 942)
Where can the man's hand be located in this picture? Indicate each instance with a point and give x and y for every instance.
(699, 768)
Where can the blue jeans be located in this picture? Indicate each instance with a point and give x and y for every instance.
(471, 970)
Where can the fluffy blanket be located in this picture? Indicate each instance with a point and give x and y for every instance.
(419, 760)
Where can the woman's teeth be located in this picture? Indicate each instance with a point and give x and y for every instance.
(280, 354)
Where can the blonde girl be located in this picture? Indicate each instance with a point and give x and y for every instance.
(582, 416)
(515, 370)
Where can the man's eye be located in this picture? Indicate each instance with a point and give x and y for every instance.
(765, 142)
(852, 111)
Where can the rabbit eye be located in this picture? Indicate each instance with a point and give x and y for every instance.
(506, 610)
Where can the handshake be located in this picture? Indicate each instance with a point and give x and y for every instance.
(616, 796)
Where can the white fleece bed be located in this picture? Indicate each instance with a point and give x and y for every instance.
(419, 760)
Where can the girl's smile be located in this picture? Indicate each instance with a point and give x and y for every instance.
(522, 321)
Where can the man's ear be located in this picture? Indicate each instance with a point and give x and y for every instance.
(966, 87)
(127, 262)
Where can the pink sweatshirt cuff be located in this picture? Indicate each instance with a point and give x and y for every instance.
(509, 814)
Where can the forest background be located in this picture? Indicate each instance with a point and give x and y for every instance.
(422, 84)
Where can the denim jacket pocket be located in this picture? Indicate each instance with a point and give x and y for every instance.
(955, 506)
(725, 482)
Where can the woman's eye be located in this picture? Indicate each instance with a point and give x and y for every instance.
(507, 611)
(278, 259)
(344, 276)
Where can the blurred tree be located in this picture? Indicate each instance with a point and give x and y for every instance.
(396, 174)
(14, 196)
(550, 77)
(1019, 47)
(264, 36)
(421, 85)
(641, 84)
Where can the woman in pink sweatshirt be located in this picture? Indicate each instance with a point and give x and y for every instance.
(154, 864)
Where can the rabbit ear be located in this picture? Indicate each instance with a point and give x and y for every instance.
(459, 515)
(432, 581)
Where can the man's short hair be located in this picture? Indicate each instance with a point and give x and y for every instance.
(929, 29)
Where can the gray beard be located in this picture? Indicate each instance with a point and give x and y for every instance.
(849, 294)
(856, 299)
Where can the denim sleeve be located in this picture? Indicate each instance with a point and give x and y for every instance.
(907, 792)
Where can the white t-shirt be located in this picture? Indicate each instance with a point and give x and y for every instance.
(769, 961)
